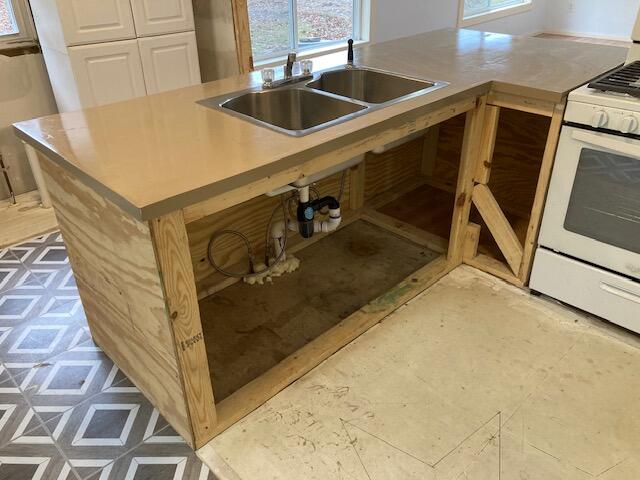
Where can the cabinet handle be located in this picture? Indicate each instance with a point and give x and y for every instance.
(620, 292)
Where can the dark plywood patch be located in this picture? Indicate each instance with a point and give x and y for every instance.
(249, 329)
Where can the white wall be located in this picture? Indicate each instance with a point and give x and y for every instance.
(400, 18)
(25, 92)
(595, 18)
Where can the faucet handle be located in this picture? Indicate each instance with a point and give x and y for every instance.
(350, 52)
(268, 75)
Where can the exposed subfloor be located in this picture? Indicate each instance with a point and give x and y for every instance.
(473, 379)
(24, 220)
(250, 328)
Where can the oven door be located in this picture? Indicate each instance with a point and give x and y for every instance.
(593, 207)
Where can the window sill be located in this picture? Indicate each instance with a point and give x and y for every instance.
(487, 17)
(17, 49)
(307, 54)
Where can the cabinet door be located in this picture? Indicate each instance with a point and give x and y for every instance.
(156, 17)
(169, 61)
(107, 72)
(93, 21)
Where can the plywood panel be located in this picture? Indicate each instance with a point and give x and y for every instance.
(172, 251)
(393, 167)
(114, 263)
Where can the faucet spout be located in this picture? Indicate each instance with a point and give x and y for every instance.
(288, 69)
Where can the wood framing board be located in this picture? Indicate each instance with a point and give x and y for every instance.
(172, 253)
(523, 104)
(544, 178)
(255, 393)
(471, 242)
(489, 132)
(498, 225)
(114, 263)
(406, 230)
(242, 35)
(322, 162)
(464, 189)
(494, 267)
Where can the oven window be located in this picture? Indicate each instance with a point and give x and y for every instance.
(605, 199)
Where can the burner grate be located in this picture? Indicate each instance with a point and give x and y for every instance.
(625, 79)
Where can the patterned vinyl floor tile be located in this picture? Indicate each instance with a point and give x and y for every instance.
(66, 411)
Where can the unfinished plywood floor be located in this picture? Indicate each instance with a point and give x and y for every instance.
(251, 328)
(473, 379)
(25, 220)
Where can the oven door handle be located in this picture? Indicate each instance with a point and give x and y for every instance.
(605, 141)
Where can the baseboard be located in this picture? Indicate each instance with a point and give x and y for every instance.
(569, 33)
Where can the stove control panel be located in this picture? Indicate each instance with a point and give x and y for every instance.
(597, 116)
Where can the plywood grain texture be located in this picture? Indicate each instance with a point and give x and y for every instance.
(471, 145)
(498, 225)
(542, 187)
(393, 167)
(172, 252)
(115, 267)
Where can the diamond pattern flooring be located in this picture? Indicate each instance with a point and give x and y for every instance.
(66, 411)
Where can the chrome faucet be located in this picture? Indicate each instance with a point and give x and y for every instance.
(288, 78)
(288, 69)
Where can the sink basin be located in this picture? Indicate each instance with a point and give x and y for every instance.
(370, 86)
(332, 97)
(292, 110)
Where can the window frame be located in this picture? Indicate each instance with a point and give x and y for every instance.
(491, 15)
(26, 35)
(360, 34)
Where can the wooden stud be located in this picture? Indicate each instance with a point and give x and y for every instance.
(171, 246)
(464, 188)
(472, 241)
(430, 150)
(544, 178)
(489, 133)
(498, 225)
(242, 34)
(255, 393)
(356, 186)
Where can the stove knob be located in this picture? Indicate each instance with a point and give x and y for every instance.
(629, 124)
(599, 119)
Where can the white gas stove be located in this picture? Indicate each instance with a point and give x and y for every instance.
(589, 254)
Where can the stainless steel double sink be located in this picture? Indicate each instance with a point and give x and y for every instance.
(330, 97)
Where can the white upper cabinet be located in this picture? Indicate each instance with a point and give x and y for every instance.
(93, 21)
(156, 17)
(169, 61)
(107, 72)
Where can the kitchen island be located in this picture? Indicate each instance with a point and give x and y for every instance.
(140, 186)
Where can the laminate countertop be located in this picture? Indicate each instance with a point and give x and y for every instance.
(159, 153)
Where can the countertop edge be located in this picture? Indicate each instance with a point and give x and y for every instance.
(148, 212)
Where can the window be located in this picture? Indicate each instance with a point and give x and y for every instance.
(16, 26)
(476, 11)
(282, 26)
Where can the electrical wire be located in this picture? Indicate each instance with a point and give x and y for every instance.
(247, 243)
